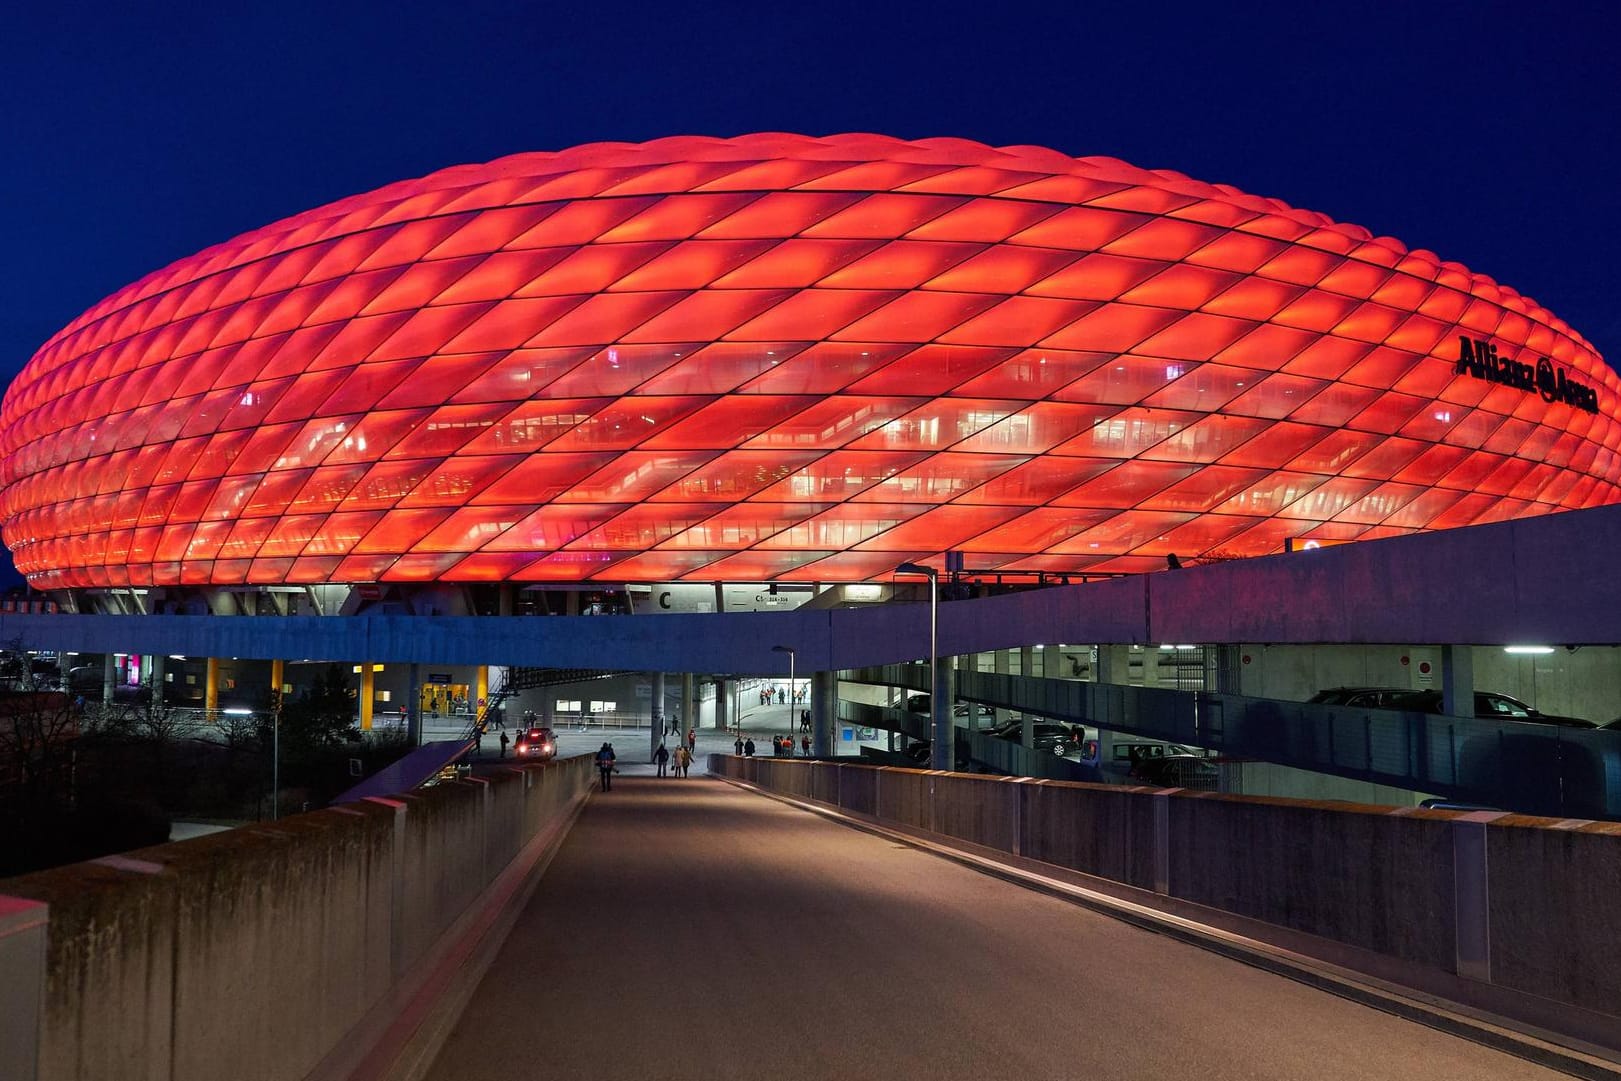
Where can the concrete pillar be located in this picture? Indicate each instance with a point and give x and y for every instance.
(824, 706)
(211, 685)
(1458, 681)
(368, 690)
(897, 700)
(1229, 668)
(1114, 664)
(548, 709)
(1150, 666)
(504, 599)
(1002, 662)
(943, 733)
(109, 678)
(413, 707)
(655, 725)
(717, 718)
(689, 701)
(155, 677)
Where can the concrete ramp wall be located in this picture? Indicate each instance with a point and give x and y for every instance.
(267, 953)
(1507, 913)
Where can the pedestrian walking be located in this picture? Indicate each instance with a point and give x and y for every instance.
(684, 760)
(804, 743)
(692, 739)
(748, 747)
(739, 745)
(661, 757)
(504, 742)
(605, 767)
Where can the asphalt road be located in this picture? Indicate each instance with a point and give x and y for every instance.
(688, 929)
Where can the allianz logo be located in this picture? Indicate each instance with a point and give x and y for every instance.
(1478, 357)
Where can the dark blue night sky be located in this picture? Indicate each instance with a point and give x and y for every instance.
(135, 134)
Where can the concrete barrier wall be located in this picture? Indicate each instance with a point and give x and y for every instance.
(1549, 892)
(1097, 829)
(1521, 904)
(442, 862)
(110, 971)
(295, 982)
(254, 954)
(1357, 875)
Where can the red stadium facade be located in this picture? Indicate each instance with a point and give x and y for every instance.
(786, 358)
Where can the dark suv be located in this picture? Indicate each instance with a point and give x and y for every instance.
(1493, 706)
(1049, 736)
(536, 743)
(1364, 697)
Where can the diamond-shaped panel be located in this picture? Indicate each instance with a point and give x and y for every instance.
(786, 357)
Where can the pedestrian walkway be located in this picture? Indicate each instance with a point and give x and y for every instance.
(631, 745)
(691, 929)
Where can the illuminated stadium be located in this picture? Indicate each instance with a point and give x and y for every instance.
(786, 359)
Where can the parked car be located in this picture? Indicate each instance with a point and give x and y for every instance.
(920, 751)
(1365, 697)
(977, 716)
(1493, 706)
(1049, 736)
(538, 744)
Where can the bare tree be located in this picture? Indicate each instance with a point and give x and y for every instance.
(39, 728)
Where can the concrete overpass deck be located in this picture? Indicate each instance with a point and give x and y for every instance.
(696, 930)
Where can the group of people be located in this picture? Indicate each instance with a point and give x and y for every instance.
(678, 761)
(670, 763)
(781, 746)
(779, 695)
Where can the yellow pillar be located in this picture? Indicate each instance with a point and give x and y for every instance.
(368, 682)
(483, 679)
(278, 677)
(211, 685)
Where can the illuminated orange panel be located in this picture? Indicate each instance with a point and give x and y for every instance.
(940, 478)
(898, 264)
(553, 527)
(1063, 364)
(647, 525)
(744, 525)
(1126, 485)
(696, 264)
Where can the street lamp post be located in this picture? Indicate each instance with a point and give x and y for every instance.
(942, 752)
(790, 651)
